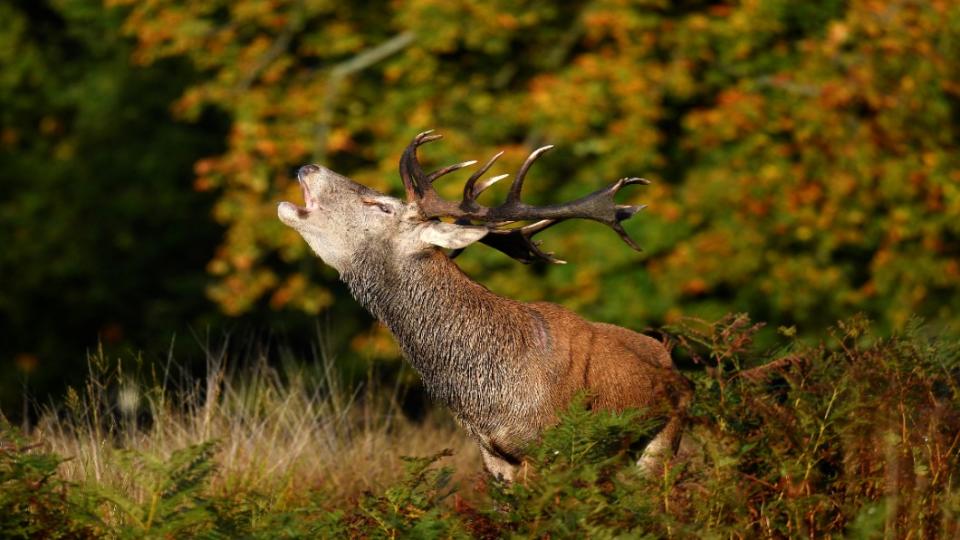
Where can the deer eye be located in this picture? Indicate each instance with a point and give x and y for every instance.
(385, 208)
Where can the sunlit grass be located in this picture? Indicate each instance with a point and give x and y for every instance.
(281, 430)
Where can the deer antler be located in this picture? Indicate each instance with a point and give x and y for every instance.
(514, 241)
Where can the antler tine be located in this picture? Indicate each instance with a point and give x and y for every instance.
(482, 186)
(469, 193)
(622, 233)
(410, 170)
(541, 225)
(432, 177)
(514, 196)
(518, 242)
(424, 137)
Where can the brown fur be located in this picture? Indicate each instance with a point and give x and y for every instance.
(545, 353)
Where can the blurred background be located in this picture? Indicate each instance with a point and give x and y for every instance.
(805, 159)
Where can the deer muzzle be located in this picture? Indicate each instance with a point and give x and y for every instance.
(290, 213)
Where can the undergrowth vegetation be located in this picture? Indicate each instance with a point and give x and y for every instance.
(857, 436)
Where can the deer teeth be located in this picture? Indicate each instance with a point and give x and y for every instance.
(310, 203)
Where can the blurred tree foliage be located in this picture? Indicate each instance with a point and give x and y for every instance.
(805, 156)
(805, 153)
(103, 236)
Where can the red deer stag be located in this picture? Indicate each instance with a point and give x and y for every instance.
(504, 368)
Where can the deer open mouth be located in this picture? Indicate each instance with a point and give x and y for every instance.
(309, 201)
(289, 210)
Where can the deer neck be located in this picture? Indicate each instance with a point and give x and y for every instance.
(465, 341)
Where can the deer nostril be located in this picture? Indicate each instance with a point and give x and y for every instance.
(307, 169)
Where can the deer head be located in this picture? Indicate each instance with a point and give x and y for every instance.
(340, 217)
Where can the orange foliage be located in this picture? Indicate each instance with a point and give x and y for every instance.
(810, 149)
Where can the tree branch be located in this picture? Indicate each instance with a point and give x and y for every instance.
(339, 72)
(279, 46)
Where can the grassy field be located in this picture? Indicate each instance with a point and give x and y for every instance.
(855, 437)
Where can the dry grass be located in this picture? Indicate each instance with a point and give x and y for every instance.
(856, 440)
(280, 431)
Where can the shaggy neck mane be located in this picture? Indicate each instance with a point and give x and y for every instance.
(462, 339)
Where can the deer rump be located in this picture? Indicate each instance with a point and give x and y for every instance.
(504, 368)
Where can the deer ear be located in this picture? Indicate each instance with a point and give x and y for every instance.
(451, 235)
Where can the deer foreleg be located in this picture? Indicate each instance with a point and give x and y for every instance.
(663, 447)
(497, 465)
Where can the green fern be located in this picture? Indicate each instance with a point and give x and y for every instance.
(581, 481)
(34, 501)
(413, 507)
(174, 503)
